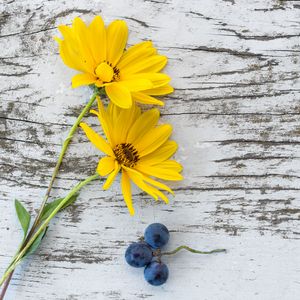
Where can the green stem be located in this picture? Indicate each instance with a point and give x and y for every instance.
(6, 285)
(59, 161)
(44, 225)
(192, 250)
(54, 174)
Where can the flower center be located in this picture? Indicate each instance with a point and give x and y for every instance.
(105, 72)
(126, 154)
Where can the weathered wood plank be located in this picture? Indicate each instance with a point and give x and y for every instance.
(235, 112)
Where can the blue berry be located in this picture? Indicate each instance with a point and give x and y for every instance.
(138, 255)
(156, 273)
(156, 235)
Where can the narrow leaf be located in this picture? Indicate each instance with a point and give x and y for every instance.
(23, 216)
(70, 201)
(36, 243)
(50, 207)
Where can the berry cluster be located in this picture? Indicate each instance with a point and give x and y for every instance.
(146, 253)
(141, 254)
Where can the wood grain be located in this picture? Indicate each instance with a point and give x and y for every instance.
(235, 112)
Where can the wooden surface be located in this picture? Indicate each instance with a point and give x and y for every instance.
(235, 67)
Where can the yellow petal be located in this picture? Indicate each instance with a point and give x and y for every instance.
(69, 37)
(126, 190)
(157, 79)
(97, 140)
(111, 177)
(162, 90)
(71, 59)
(105, 126)
(57, 39)
(153, 139)
(161, 195)
(82, 36)
(82, 79)
(137, 84)
(150, 64)
(72, 51)
(163, 153)
(117, 34)
(137, 178)
(136, 52)
(160, 171)
(97, 37)
(104, 121)
(105, 165)
(119, 95)
(113, 111)
(145, 99)
(68, 33)
(171, 165)
(142, 125)
(124, 122)
(157, 184)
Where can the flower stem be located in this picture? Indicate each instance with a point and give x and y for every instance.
(57, 166)
(191, 250)
(4, 289)
(44, 225)
(54, 174)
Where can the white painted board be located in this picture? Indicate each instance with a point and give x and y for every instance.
(235, 112)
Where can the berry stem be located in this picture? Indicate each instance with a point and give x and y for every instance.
(191, 250)
(141, 239)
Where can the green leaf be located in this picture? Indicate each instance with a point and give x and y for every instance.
(50, 207)
(36, 243)
(23, 216)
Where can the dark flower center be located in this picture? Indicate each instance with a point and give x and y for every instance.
(126, 155)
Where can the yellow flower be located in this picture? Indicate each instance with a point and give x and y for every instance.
(136, 146)
(98, 53)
